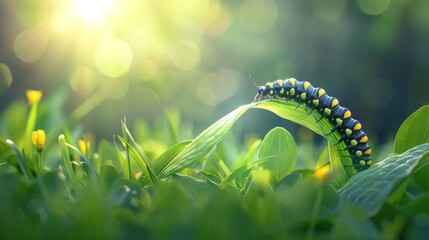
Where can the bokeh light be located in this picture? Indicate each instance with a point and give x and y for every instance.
(258, 15)
(218, 86)
(115, 87)
(31, 13)
(30, 45)
(420, 16)
(185, 54)
(217, 20)
(329, 10)
(5, 77)
(113, 57)
(83, 80)
(373, 7)
(92, 11)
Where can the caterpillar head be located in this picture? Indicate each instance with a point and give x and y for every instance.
(261, 90)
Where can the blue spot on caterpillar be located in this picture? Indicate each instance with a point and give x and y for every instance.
(328, 107)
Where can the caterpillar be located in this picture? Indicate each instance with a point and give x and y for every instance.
(328, 107)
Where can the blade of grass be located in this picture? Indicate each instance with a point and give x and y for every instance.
(91, 168)
(21, 161)
(67, 162)
(203, 143)
(163, 160)
(142, 159)
(127, 149)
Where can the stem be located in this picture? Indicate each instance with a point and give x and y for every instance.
(316, 210)
(31, 123)
(67, 161)
(127, 148)
(40, 163)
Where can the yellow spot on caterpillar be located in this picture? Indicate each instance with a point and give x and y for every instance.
(367, 152)
(363, 139)
(347, 114)
(357, 127)
(292, 91)
(334, 103)
(280, 82)
(292, 81)
(270, 85)
(303, 96)
(321, 92)
(306, 85)
(369, 162)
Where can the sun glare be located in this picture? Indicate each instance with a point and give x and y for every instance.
(92, 11)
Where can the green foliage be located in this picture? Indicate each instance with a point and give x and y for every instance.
(413, 131)
(213, 186)
(370, 189)
(280, 150)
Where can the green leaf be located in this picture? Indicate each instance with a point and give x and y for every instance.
(369, 189)
(141, 159)
(67, 162)
(88, 163)
(140, 156)
(340, 176)
(280, 149)
(203, 143)
(162, 161)
(413, 131)
(352, 224)
(288, 110)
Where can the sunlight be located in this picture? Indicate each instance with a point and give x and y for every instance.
(92, 11)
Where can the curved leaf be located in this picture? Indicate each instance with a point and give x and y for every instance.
(413, 131)
(203, 143)
(341, 164)
(289, 110)
(369, 189)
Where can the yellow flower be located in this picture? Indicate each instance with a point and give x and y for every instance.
(39, 139)
(34, 96)
(323, 173)
(82, 146)
(262, 176)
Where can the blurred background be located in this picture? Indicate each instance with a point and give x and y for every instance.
(197, 55)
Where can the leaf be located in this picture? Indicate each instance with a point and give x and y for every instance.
(203, 143)
(369, 189)
(141, 159)
(340, 176)
(162, 161)
(413, 131)
(280, 149)
(288, 110)
(352, 224)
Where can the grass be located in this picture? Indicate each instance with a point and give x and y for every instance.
(210, 187)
